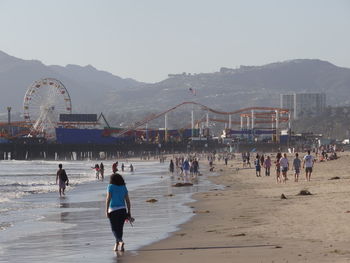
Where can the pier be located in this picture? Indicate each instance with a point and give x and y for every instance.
(35, 149)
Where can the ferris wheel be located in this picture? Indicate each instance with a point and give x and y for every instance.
(43, 102)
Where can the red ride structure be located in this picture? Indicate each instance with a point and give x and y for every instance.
(250, 118)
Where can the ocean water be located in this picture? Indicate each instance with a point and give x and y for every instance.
(21, 179)
(31, 211)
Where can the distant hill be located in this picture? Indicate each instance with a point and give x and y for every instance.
(88, 87)
(126, 100)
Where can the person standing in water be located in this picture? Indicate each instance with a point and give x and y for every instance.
(118, 208)
(115, 167)
(61, 179)
(171, 166)
(186, 169)
(97, 171)
(102, 171)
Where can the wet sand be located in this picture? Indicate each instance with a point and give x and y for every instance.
(249, 222)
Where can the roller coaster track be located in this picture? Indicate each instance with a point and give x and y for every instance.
(206, 108)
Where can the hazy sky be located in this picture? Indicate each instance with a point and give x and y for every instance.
(147, 39)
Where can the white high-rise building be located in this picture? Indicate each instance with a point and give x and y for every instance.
(303, 104)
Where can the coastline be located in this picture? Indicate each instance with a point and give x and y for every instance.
(249, 222)
(74, 228)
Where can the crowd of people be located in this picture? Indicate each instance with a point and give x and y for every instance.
(282, 165)
(186, 168)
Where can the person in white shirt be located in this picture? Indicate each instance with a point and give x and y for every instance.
(308, 163)
(285, 167)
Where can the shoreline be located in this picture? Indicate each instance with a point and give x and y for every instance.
(75, 227)
(249, 222)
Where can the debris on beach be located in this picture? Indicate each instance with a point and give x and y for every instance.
(182, 184)
(170, 195)
(221, 170)
(283, 196)
(304, 192)
(201, 212)
(239, 235)
(152, 200)
(335, 178)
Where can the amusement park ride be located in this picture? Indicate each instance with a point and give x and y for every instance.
(46, 99)
(43, 102)
(250, 122)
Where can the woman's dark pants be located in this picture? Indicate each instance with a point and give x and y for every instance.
(117, 219)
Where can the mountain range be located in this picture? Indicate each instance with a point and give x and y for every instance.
(120, 99)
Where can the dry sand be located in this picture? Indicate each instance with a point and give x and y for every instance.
(249, 222)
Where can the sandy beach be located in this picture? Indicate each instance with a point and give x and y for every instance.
(249, 222)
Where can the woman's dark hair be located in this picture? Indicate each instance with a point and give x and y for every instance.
(116, 179)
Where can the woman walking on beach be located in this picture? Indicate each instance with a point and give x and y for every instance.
(278, 167)
(116, 211)
(248, 160)
(285, 167)
(262, 160)
(257, 166)
(267, 165)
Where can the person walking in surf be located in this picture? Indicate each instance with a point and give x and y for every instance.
(102, 171)
(171, 167)
(115, 167)
(61, 179)
(97, 171)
